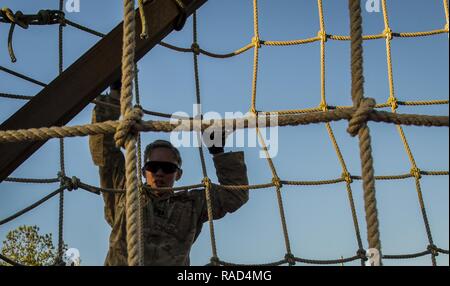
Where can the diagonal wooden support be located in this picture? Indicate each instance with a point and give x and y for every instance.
(84, 80)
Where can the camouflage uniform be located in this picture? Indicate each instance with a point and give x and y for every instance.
(172, 222)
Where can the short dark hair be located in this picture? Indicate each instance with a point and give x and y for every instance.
(162, 144)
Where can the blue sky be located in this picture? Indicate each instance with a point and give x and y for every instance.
(318, 218)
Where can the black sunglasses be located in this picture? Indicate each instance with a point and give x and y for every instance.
(154, 166)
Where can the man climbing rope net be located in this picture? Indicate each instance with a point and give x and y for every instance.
(171, 221)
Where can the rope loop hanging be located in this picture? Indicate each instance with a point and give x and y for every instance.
(43, 17)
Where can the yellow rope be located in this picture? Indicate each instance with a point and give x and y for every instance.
(415, 171)
(256, 46)
(382, 105)
(275, 178)
(317, 38)
(446, 14)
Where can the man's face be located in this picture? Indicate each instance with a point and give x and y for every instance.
(161, 179)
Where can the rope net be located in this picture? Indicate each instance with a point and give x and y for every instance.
(358, 115)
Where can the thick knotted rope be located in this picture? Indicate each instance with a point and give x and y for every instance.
(127, 127)
(358, 124)
(126, 136)
(361, 116)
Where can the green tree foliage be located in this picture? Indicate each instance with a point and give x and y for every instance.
(26, 246)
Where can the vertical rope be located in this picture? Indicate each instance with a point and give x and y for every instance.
(278, 186)
(394, 106)
(206, 181)
(142, 199)
(275, 178)
(446, 14)
(195, 49)
(363, 132)
(388, 35)
(132, 194)
(61, 145)
(257, 46)
(323, 105)
(323, 38)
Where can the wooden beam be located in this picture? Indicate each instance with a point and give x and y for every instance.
(84, 80)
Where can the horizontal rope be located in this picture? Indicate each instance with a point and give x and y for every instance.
(31, 180)
(24, 77)
(34, 205)
(15, 96)
(327, 262)
(43, 17)
(407, 256)
(270, 43)
(280, 112)
(304, 41)
(148, 112)
(109, 127)
(276, 263)
(394, 34)
(95, 189)
(10, 261)
(434, 173)
(207, 53)
(334, 261)
(443, 251)
(378, 106)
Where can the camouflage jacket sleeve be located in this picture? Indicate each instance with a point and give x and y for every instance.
(231, 170)
(108, 158)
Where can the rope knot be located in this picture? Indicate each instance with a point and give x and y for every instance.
(45, 17)
(388, 33)
(322, 35)
(433, 249)
(323, 106)
(415, 172)
(361, 253)
(290, 258)
(50, 17)
(276, 181)
(256, 42)
(253, 111)
(68, 183)
(347, 177)
(195, 49)
(207, 183)
(361, 115)
(126, 129)
(73, 184)
(393, 102)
